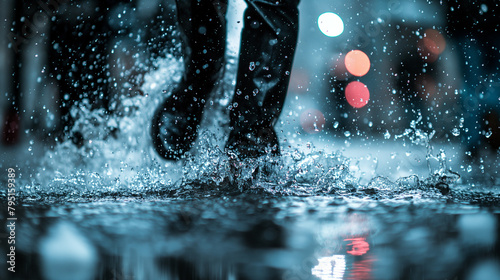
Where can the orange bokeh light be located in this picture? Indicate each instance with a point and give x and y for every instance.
(357, 63)
(312, 121)
(357, 94)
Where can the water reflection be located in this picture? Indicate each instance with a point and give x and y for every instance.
(255, 237)
(66, 254)
(330, 268)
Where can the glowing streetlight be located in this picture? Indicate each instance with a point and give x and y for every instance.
(330, 24)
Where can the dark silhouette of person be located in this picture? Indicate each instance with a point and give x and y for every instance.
(268, 42)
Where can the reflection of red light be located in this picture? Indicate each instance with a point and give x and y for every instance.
(361, 269)
(357, 94)
(312, 120)
(358, 246)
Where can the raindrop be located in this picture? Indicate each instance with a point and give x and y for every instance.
(455, 131)
(252, 66)
(469, 168)
(484, 8)
(387, 135)
(347, 133)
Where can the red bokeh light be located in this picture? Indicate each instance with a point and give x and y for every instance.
(357, 94)
(431, 45)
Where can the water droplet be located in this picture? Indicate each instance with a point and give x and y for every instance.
(488, 134)
(484, 8)
(335, 124)
(347, 133)
(387, 135)
(455, 131)
(469, 168)
(252, 66)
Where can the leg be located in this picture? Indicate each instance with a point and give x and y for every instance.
(203, 29)
(268, 43)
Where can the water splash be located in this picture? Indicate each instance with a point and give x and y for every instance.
(116, 155)
(117, 158)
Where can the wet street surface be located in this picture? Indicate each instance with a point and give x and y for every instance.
(262, 231)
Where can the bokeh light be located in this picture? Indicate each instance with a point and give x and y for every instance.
(357, 94)
(434, 41)
(357, 63)
(431, 45)
(330, 24)
(312, 121)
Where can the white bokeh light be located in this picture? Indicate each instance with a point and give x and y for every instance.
(330, 24)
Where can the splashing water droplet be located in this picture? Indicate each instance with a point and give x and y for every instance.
(387, 135)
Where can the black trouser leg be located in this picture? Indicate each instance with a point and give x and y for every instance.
(202, 25)
(268, 43)
(203, 29)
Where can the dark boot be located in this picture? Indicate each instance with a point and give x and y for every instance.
(268, 43)
(203, 30)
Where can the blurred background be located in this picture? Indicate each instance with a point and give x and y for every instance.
(363, 69)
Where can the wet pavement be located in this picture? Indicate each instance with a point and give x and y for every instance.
(414, 234)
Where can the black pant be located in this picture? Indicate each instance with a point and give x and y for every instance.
(268, 41)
